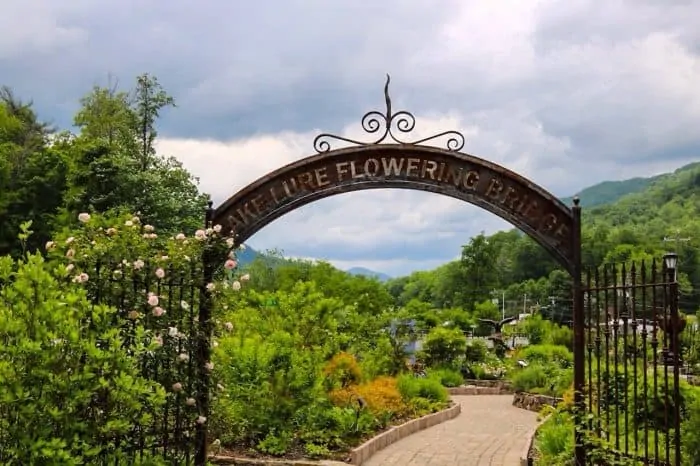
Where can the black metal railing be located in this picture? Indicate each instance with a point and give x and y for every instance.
(633, 361)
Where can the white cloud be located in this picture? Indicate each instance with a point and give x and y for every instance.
(566, 93)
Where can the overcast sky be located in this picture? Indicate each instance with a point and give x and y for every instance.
(569, 93)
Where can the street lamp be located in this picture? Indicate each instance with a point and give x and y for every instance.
(673, 326)
(671, 262)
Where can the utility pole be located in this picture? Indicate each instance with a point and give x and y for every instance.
(525, 303)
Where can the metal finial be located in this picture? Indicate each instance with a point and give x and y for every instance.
(386, 123)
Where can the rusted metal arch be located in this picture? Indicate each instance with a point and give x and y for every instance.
(246, 216)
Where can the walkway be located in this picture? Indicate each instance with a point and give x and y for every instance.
(488, 432)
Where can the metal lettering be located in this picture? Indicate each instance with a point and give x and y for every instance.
(471, 179)
(244, 213)
(454, 174)
(412, 167)
(429, 167)
(259, 204)
(273, 194)
(391, 165)
(341, 168)
(441, 173)
(353, 171)
(495, 188)
(321, 177)
(521, 204)
(290, 191)
(371, 167)
(306, 180)
(510, 198)
(532, 205)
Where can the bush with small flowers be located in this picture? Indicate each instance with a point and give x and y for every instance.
(117, 365)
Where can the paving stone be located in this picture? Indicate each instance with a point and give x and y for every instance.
(488, 432)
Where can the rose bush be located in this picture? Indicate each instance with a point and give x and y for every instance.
(99, 341)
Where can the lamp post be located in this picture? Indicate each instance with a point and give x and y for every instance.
(673, 325)
(671, 263)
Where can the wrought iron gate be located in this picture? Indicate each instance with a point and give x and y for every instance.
(632, 394)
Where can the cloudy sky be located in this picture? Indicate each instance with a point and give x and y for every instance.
(569, 93)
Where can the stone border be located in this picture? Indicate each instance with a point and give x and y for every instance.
(525, 459)
(359, 454)
(365, 451)
(483, 387)
(534, 402)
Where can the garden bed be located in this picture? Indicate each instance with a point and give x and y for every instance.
(356, 456)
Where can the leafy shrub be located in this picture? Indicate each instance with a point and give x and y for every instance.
(447, 377)
(555, 440)
(341, 371)
(429, 388)
(276, 444)
(443, 346)
(548, 355)
(562, 336)
(68, 386)
(381, 396)
(530, 378)
(690, 431)
(476, 351)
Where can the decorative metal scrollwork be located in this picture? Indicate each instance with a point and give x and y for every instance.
(402, 121)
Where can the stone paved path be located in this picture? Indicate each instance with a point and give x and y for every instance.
(488, 432)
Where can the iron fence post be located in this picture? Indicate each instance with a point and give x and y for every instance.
(204, 347)
(579, 336)
(676, 361)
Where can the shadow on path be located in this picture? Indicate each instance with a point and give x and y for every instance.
(488, 432)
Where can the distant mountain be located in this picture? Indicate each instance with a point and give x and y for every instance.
(249, 254)
(246, 256)
(382, 277)
(609, 192)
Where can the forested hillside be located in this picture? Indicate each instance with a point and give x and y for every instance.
(510, 263)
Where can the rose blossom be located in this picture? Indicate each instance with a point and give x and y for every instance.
(230, 264)
(152, 299)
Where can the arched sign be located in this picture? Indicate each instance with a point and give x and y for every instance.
(413, 165)
(403, 165)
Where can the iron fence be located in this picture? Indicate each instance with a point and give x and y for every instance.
(633, 394)
(168, 310)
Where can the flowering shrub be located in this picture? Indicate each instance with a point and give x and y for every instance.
(67, 390)
(380, 396)
(126, 369)
(342, 370)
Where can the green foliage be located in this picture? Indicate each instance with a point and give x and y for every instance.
(475, 351)
(549, 370)
(447, 377)
(428, 388)
(49, 178)
(84, 389)
(443, 346)
(294, 362)
(554, 441)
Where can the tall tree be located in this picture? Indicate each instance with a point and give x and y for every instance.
(480, 269)
(149, 99)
